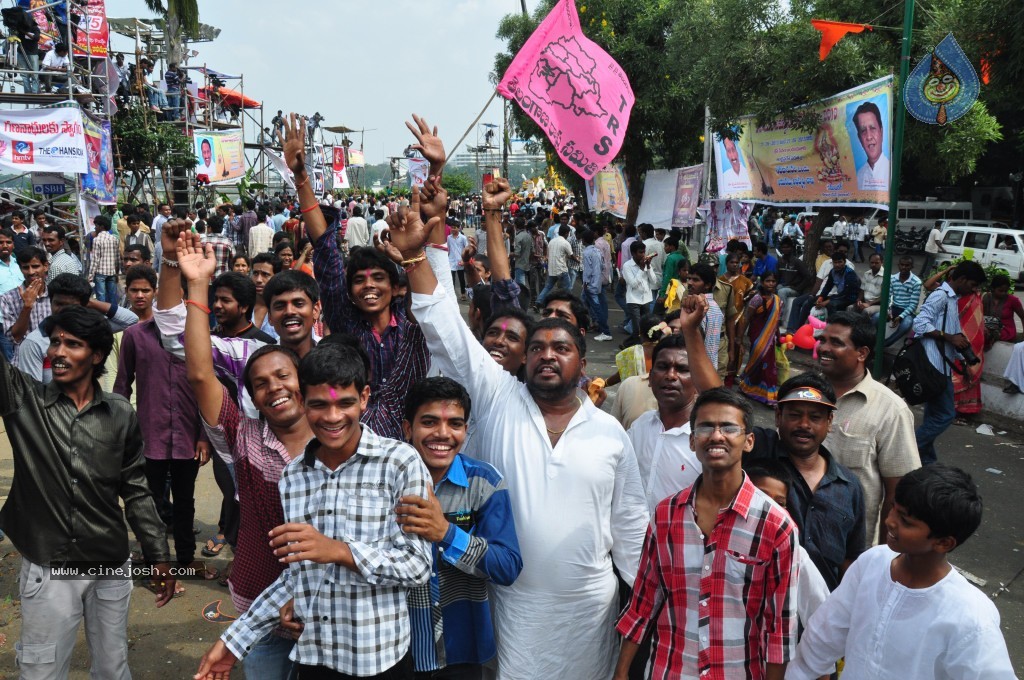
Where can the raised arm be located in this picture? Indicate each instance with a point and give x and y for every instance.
(703, 373)
(197, 267)
(295, 157)
(430, 145)
(496, 194)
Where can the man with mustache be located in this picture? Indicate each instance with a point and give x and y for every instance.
(825, 499)
(873, 429)
(874, 174)
(578, 502)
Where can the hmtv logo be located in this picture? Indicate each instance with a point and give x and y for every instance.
(22, 152)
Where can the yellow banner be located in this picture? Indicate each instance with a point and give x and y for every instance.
(845, 161)
(221, 155)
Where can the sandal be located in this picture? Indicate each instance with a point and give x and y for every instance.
(214, 545)
(209, 573)
(225, 575)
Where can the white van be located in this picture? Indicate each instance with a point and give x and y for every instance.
(992, 242)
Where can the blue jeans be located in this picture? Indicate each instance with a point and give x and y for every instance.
(173, 102)
(522, 278)
(598, 304)
(7, 346)
(29, 62)
(799, 311)
(938, 415)
(106, 288)
(269, 659)
(553, 281)
(905, 325)
(573, 275)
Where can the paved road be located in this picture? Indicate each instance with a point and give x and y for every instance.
(169, 642)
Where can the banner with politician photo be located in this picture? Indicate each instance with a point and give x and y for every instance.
(844, 161)
(607, 192)
(99, 183)
(221, 156)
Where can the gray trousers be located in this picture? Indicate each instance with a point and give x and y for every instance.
(52, 609)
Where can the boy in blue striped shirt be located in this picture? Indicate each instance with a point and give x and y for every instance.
(469, 520)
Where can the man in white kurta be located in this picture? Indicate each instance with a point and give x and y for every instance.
(579, 508)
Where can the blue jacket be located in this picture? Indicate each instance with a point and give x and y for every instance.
(480, 546)
(850, 287)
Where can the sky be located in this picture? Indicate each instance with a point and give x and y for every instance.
(364, 63)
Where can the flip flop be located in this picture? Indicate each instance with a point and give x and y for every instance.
(213, 546)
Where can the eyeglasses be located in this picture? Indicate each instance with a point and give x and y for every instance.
(728, 430)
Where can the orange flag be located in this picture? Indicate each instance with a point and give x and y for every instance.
(832, 32)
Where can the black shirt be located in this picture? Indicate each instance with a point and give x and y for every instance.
(831, 517)
(71, 468)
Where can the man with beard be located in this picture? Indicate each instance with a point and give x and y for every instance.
(873, 429)
(825, 499)
(577, 500)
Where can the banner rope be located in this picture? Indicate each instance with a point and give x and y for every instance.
(470, 128)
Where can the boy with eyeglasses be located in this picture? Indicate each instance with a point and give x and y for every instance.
(718, 572)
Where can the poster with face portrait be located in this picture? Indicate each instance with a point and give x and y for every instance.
(844, 161)
(220, 155)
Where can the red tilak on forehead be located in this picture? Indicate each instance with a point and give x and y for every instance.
(368, 272)
(504, 326)
(334, 395)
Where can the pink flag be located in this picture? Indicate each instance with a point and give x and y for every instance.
(573, 89)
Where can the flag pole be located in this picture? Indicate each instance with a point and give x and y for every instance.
(470, 128)
(894, 186)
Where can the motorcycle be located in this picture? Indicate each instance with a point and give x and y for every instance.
(912, 241)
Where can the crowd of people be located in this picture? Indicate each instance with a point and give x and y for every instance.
(408, 494)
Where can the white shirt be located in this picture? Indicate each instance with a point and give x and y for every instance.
(876, 178)
(811, 589)
(871, 284)
(667, 463)
(261, 238)
(357, 233)
(579, 507)
(886, 631)
(733, 181)
(655, 247)
(934, 239)
(559, 251)
(639, 283)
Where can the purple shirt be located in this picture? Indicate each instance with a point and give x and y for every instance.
(167, 409)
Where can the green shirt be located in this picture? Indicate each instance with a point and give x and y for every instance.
(669, 270)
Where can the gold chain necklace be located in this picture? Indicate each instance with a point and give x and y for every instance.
(550, 431)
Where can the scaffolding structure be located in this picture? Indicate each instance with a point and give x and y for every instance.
(87, 87)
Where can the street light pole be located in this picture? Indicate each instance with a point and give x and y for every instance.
(894, 186)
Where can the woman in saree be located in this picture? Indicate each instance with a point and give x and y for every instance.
(741, 285)
(759, 380)
(966, 378)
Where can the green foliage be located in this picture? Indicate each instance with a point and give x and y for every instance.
(457, 183)
(183, 13)
(144, 143)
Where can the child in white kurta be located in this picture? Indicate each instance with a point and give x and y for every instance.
(940, 627)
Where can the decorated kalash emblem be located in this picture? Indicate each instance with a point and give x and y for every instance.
(943, 86)
(831, 172)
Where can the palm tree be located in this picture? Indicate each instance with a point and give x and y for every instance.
(181, 20)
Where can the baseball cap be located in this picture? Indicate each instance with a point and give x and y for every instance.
(807, 394)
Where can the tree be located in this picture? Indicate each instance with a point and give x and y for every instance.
(457, 183)
(181, 21)
(666, 122)
(145, 147)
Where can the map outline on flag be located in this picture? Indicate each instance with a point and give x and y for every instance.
(573, 89)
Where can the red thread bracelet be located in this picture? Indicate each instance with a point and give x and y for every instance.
(198, 305)
(309, 209)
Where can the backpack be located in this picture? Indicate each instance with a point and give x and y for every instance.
(916, 378)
